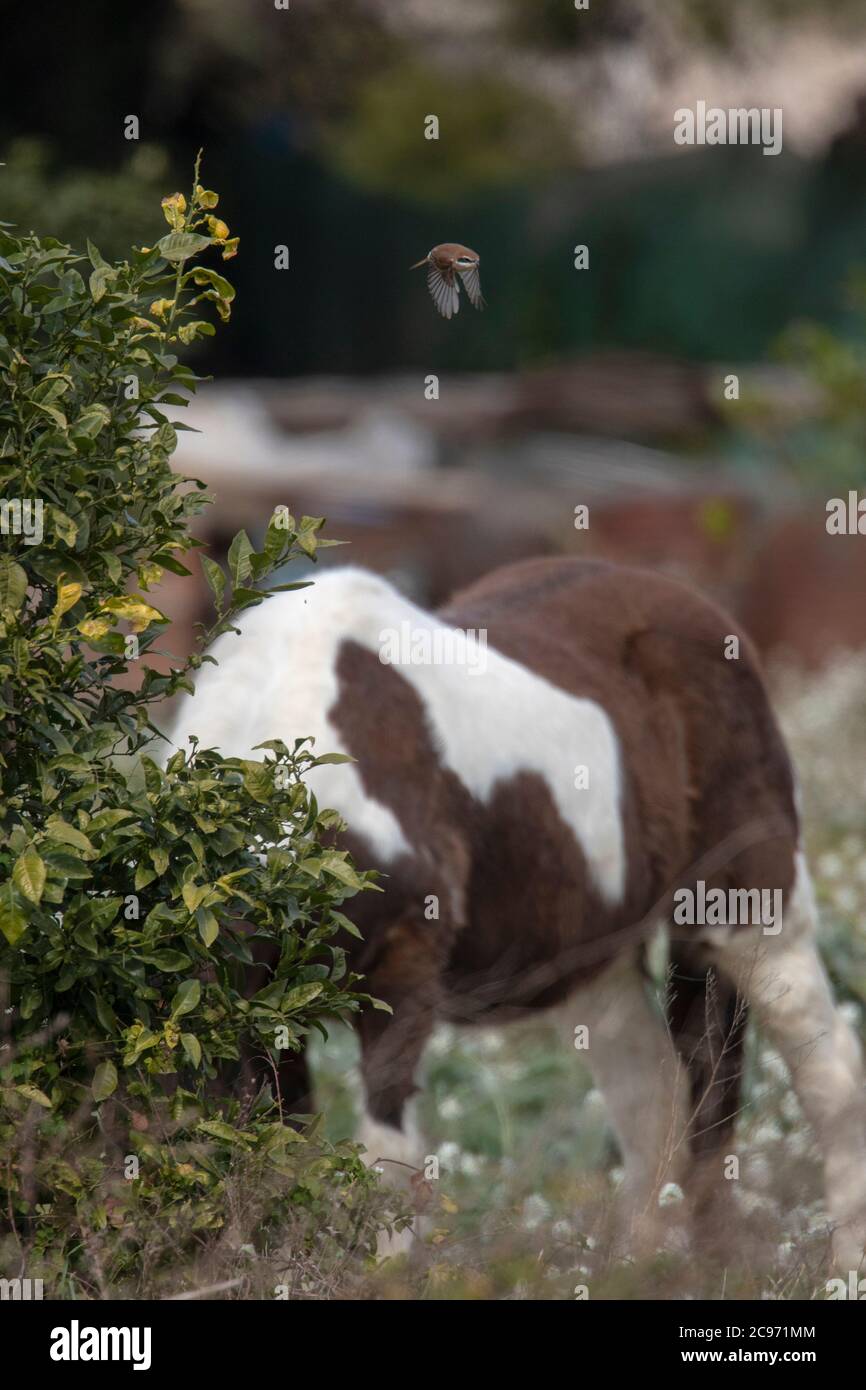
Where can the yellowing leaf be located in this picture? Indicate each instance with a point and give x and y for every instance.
(135, 611)
(30, 1092)
(203, 275)
(193, 893)
(149, 574)
(94, 628)
(104, 1081)
(68, 595)
(173, 209)
(67, 834)
(29, 874)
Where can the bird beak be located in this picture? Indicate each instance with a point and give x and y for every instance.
(418, 263)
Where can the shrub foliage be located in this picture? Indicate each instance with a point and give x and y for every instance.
(128, 889)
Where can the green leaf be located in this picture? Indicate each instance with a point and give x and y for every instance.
(29, 875)
(218, 1129)
(54, 414)
(215, 578)
(107, 820)
(186, 998)
(96, 257)
(13, 923)
(239, 555)
(179, 246)
(105, 1013)
(348, 926)
(61, 830)
(259, 781)
(98, 282)
(192, 1047)
(91, 421)
(334, 863)
(208, 926)
(302, 995)
(143, 876)
(13, 584)
(104, 1081)
(169, 960)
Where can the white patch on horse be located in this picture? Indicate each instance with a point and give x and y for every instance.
(279, 680)
(489, 723)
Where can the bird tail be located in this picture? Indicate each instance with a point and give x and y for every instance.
(418, 263)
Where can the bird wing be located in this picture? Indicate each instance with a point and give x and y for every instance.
(472, 281)
(443, 288)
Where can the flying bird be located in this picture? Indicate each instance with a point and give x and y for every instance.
(444, 264)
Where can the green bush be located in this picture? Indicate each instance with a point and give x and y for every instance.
(127, 890)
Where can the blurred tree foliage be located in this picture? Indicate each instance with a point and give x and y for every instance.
(726, 25)
(113, 208)
(497, 134)
(556, 25)
(821, 445)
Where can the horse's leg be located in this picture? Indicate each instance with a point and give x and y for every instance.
(636, 1067)
(783, 978)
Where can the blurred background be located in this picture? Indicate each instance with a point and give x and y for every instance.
(603, 386)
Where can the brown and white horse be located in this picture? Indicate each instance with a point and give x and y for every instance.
(544, 770)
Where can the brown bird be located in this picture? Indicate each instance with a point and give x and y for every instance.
(445, 263)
